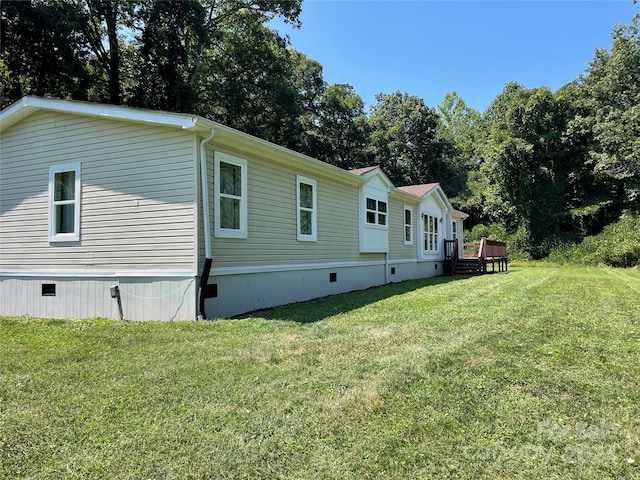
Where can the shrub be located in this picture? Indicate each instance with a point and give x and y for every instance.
(618, 245)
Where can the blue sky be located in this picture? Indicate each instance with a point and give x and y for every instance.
(428, 48)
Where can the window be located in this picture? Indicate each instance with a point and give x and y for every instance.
(454, 229)
(430, 233)
(307, 209)
(64, 203)
(230, 196)
(408, 226)
(376, 212)
(373, 219)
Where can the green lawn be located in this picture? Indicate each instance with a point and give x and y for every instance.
(528, 374)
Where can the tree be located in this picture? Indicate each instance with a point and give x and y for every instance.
(462, 127)
(343, 127)
(39, 53)
(102, 25)
(181, 41)
(250, 85)
(170, 41)
(527, 163)
(611, 98)
(462, 130)
(145, 52)
(310, 85)
(404, 140)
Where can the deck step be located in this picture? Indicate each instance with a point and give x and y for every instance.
(468, 267)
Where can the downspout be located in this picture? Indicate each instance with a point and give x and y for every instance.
(386, 254)
(386, 267)
(204, 186)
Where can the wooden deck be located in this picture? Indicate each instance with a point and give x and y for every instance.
(477, 257)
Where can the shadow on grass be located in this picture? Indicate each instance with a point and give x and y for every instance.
(320, 308)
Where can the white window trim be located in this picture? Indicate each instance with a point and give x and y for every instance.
(314, 211)
(75, 235)
(377, 212)
(242, 232)
(436, 218)
(374, 238)
(407, 208)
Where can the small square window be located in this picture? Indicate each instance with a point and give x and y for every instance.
(376, 212)
(48, 289)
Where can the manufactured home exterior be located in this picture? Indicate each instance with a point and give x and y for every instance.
(191, 219)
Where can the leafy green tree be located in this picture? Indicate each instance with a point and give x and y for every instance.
(39, 53)
(173, 33)
(527, 163)
(180, 39)
(343, 127)
(405, 142)
(578, 138)
(102, 24)
(251, 86)
(462, 126)
(611, 98)
(310, 85)
(145, 52)
(462, 132)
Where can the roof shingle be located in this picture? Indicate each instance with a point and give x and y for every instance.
(419, 190)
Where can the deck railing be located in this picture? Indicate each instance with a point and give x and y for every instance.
(488, 251)
(492, 248)
(485, 248)
(471, 249)
(450, 255)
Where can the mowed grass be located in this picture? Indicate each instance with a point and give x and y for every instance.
(528, 374)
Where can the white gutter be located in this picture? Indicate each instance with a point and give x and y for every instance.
(205, 193)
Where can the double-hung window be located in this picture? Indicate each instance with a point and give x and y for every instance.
(230, 179)
(64, 202)
(376, 212)
(307, 209)
(408, 226)
(430, 234)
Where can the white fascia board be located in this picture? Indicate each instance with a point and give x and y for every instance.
(405, 196)
(379, 173)
(437, 190)
(28, 105)
(14, 113)
(459, 214)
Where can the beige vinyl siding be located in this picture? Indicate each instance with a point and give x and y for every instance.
(272, 238)
(138, 194)
(397, 249)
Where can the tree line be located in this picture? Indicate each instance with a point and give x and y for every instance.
(541, 166)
